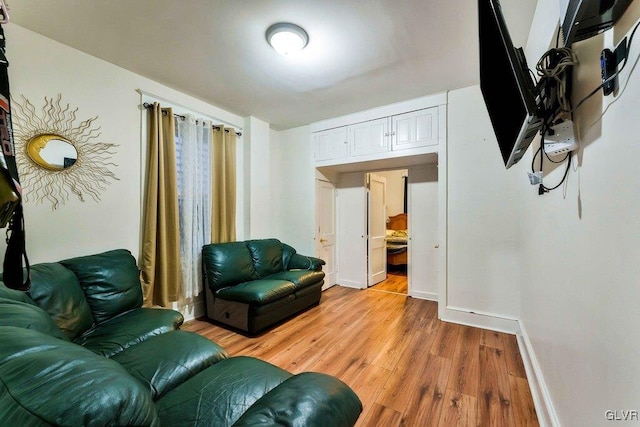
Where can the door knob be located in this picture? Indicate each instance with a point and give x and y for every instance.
(323, 240)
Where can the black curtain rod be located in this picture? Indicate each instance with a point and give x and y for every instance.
(147, 105)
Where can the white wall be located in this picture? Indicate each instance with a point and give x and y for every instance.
(257, 167)
(484, 251)
(293, 189)
(580, 289)
(41, 67)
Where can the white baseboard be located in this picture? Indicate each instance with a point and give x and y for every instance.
(488, 321)
(431, 296)
(541, 399)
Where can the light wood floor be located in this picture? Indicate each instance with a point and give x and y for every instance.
(407, 367)
(396, 282)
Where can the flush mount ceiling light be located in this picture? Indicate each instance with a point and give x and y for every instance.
(287, 38)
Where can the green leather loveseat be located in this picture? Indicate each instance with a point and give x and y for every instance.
(254, 284)
(78, 349)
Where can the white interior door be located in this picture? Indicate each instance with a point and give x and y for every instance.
(377, 229)
(326, 230)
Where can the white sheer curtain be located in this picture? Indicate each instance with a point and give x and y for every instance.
(193, 143)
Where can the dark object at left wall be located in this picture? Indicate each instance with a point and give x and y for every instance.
(11, 214)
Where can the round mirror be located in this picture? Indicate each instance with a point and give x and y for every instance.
(52, 152)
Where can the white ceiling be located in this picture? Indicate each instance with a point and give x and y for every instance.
(361, 53)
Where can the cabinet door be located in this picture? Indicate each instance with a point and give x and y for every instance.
(330, 144)
(369, 137)
(415, 129)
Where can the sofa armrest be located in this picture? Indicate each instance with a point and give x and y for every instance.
(307, 399)
(305, 263)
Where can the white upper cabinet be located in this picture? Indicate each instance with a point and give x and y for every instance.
(369, 137)
(331, 144)
(415, 129)
(401, 130)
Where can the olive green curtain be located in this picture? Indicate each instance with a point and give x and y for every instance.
(160, 258)
(223, 210)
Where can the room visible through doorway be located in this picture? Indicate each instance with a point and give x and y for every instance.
(396, 247)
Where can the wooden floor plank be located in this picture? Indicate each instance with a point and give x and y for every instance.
(465, 370)
(458, 410)
(407, 367)
(494, 394)
(513, 357)
(524, 413)
(427, 400)
(491, 339)
(381, 416)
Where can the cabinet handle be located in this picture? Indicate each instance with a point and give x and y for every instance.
(386, 134)
(346, 142)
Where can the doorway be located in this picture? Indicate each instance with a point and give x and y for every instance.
(394, 230)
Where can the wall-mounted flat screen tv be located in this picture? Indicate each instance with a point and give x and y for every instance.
(586, 18)
(507, 87)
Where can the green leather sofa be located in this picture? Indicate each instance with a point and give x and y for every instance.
(78, 349)
(254, 284)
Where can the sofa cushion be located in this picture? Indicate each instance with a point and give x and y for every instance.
(300, 278)
(57, 291)
(47, 381)
(287, 253)
(238, 383)
(227, 264)
(110, 281)
(133, 327)
(306, 399)
(28, 316)
(15, 295)
(257, 291)
(267, 256)
(165, 361)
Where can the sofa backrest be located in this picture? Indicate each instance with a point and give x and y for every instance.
(79, 292)
(56, 290)
(110, 282)
(229, 264)
(266, 255)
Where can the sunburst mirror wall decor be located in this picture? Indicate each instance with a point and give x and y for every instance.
(56, 155)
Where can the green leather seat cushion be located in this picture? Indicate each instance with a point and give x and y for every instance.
(219, 395)
(92, 389)
(164, 361)
(257, 291)
(27, 316)
(300, 278)
(127, 329)
(110, 281)
(57, 291)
